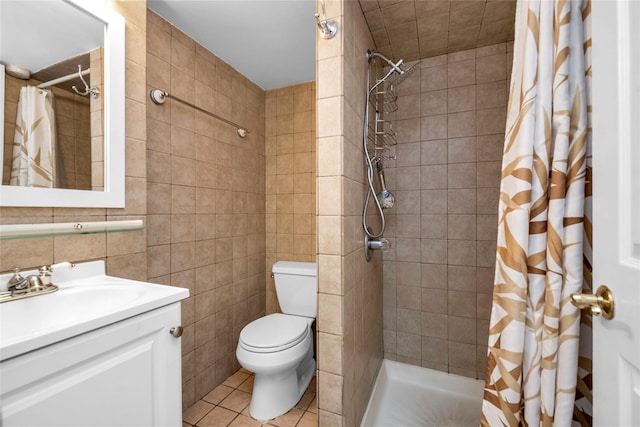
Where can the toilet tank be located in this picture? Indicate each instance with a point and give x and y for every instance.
(296, 287)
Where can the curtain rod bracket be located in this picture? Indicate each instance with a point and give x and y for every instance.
(93, 91)
(158, 96)
(328, 28)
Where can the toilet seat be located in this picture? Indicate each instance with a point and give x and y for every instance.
(273, 333)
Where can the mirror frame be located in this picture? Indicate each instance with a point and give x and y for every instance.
(113, 195)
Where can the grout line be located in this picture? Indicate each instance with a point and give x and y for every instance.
(304, 410)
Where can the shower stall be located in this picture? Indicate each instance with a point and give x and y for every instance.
(426, 301)
(432, 321)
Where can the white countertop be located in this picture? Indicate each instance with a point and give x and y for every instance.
(88, 299)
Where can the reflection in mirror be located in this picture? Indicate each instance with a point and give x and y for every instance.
(49, 115)
(63, 104)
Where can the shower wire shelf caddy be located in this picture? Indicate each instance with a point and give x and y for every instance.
(382, 141)
(377, 157)
(381, 134)
(385, 101)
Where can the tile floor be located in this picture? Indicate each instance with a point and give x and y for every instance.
(228, 405)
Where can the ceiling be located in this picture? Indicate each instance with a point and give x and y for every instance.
(31, 20)
(272, 42)
(416, 29)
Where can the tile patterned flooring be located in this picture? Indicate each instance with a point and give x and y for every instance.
(228, 405)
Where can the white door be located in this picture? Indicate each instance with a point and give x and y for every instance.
(616, 209)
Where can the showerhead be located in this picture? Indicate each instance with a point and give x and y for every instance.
(404, 75)
(385, 197)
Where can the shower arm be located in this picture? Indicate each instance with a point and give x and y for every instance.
(395, 67)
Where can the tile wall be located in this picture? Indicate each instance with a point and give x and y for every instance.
(439, 275)
(414, 29)
(124, 252)
(350, 289)
(290, 146)
(205, 200)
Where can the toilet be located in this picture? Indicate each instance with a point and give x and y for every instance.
(278, 348)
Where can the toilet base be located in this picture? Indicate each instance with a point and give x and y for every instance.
(275, 394)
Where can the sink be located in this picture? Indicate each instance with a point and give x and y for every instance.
(87, 299)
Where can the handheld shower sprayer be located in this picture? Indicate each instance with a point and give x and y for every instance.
(385, 198)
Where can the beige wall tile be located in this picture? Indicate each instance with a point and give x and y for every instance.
(491, 120)
(329, 235)
(158, 261)
(435, 78)
(461, 355)
(330, 314)
(435, 350)
(434, 127)
(434, 276)
(489, 147)
(330, 109)
(79, 248)
(159, 41)
(330, 392)
(451, 213)
(491, 68)
(131, 266)
(409, 345)
(134, 119)
(26, 253)
(330, 356)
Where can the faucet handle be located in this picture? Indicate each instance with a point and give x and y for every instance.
(37, 283)
(44, 275)
(61, 266)
(46, 271)
(17, 281)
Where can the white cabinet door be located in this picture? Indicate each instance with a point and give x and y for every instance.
(126, 374)
(616, 205)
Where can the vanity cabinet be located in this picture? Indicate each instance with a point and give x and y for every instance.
(124, 374)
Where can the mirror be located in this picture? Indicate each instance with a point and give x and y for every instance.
(82, 156)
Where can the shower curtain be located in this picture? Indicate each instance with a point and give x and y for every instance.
(544, 233)
(35, 158)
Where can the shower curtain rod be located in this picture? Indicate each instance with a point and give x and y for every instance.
(63, 79)
(159, 96)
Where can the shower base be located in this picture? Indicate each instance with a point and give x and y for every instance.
(407, 396)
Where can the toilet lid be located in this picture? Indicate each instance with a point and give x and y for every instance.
(274, 332)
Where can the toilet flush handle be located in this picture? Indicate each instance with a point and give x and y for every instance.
(176, 331)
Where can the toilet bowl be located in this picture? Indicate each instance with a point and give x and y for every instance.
(278, 348)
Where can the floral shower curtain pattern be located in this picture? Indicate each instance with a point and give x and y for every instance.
(544, 232)
(34, 144)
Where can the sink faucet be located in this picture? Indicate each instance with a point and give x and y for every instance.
(34, 284)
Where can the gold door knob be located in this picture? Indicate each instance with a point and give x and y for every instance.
(600, 304)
